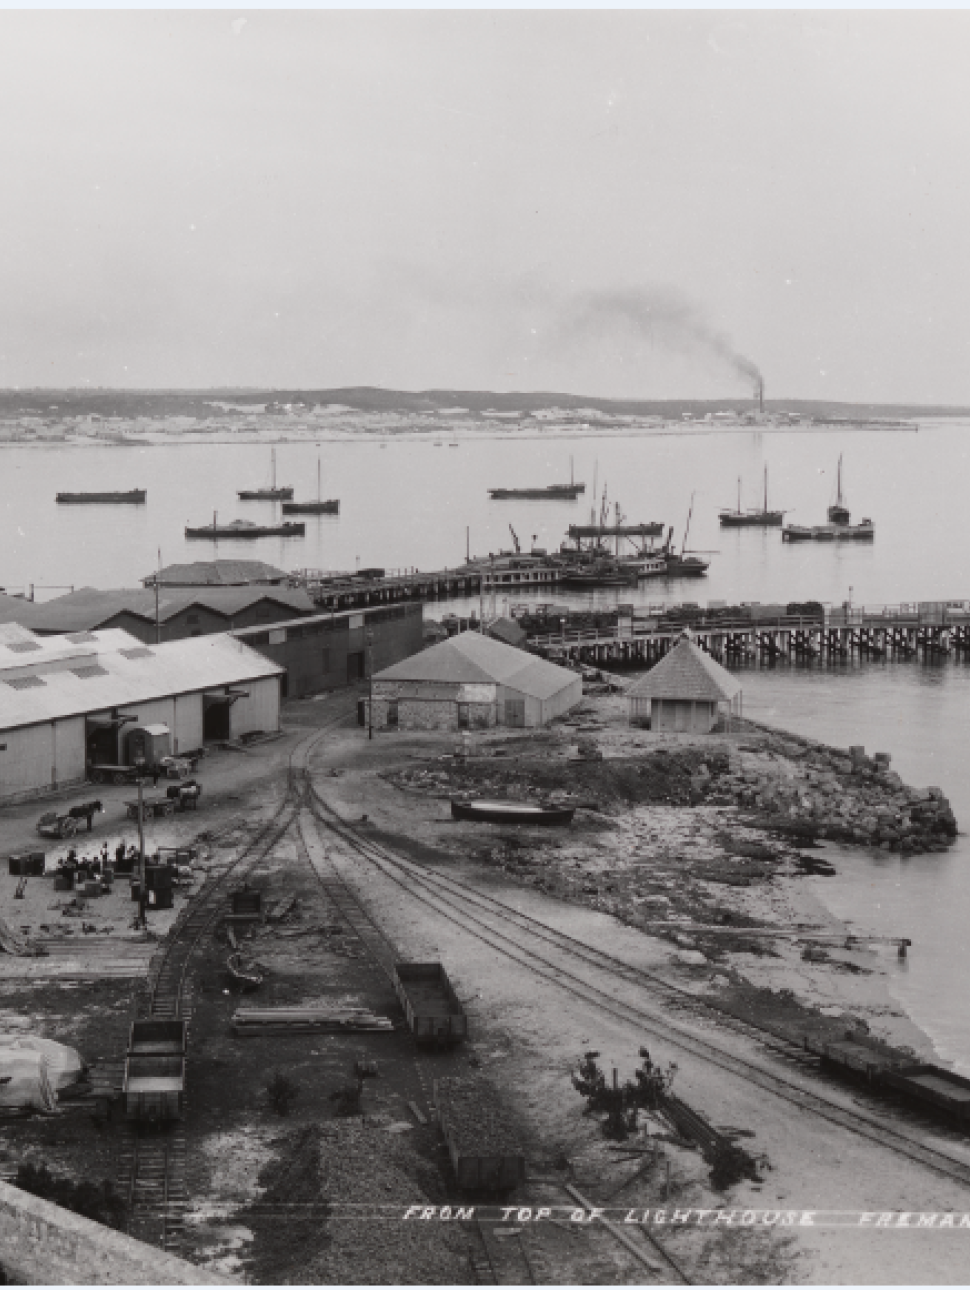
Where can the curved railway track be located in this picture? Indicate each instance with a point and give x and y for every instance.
(503, 1263)
(515, 935)
(154, 1158)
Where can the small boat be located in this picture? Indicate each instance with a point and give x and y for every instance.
(271, 494)
(244, 975)
(752, 518)
(319, 507)
(511, 812)
(134, 497)
(245, 529)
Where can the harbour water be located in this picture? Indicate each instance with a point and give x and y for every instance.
(406, 502)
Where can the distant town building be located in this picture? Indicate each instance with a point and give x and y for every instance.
(686, 692)
(471, 681)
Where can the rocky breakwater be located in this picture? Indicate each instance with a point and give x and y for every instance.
(814, 790)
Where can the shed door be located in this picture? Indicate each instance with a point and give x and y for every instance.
(682, 714)
(355, 667)
(393, 712)
(462, 716)
(515, 712)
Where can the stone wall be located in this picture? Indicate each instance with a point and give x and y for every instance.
(42, 1244)
(839, 794)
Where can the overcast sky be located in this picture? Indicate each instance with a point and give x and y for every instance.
(626, 204)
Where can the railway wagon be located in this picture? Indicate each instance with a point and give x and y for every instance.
(933, 1086)
(433, 1010)
(154, 1082)
(484, 1149)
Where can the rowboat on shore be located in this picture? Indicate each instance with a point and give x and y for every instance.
(511, 812)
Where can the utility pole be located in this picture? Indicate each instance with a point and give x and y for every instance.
(158, 570)
(369, 638)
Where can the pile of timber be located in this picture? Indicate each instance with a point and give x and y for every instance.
(308, 1019)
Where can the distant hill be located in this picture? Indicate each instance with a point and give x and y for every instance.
(202, 403)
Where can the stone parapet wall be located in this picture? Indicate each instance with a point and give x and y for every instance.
(42, 1244)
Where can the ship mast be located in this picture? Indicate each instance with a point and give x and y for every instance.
(766, 490)
(272, 458)
(319, 493)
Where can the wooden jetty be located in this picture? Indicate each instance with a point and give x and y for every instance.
(333, 590)
(929, 629)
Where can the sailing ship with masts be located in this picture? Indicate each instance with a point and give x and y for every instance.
(753, 517)
(839, 527)
(558, 492)
(319, 507)
(271, 494)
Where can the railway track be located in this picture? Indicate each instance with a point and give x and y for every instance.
(153, 1158)
(557, 958)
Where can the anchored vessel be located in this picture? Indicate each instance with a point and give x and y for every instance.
(559, 492)
(134, 496)
(838, 528)
(244, 529)
(271, 494)
(753, 518)
(319, 507)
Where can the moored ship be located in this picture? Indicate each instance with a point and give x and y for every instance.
(134, 496)
(752, 517)
(321, 506)
(558, 492)
(271, 494)
(244, 529)
(839, 527)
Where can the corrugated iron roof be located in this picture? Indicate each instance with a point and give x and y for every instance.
(216, 573)
(507, 630)
(15, 609)
(686, 672)
(471, 657)
(90, 607)
(176, 667)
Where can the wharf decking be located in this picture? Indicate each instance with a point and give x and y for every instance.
(347, 591)
(871, 631)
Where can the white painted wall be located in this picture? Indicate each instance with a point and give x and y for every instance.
(261, 711)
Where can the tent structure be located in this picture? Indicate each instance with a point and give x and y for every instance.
(686, 692)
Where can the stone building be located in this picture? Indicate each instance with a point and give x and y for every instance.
(686, 692)
(472, 682)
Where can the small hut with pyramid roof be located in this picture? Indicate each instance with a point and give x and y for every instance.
(685, 692)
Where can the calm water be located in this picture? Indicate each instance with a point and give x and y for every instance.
(408, 504)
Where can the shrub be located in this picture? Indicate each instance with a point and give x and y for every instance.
(281, 1091)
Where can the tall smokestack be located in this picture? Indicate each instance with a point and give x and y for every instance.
(761, 395)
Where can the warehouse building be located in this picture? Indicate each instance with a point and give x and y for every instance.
(177, 613)
(67, 701)
(327, 651)
(218, 573)
(686, 692)
(471, 681)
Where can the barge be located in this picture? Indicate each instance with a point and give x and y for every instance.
(133, 497)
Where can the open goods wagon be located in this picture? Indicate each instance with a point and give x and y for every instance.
(933, 1086)
(484, 1149)
(154, 1083)
(433, 1010)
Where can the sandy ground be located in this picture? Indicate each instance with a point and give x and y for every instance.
(534, 1034)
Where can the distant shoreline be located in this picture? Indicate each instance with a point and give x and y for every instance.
(469, 435)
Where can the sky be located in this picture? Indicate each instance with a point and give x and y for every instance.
(627, 204)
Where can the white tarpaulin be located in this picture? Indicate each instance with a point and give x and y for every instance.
(64, 1064)
(25, 1081)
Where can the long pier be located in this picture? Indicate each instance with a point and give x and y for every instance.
(900, 631)
(355, 591)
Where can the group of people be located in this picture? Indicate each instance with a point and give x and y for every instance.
(96, 866)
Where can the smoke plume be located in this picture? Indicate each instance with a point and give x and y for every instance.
(659, 316)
